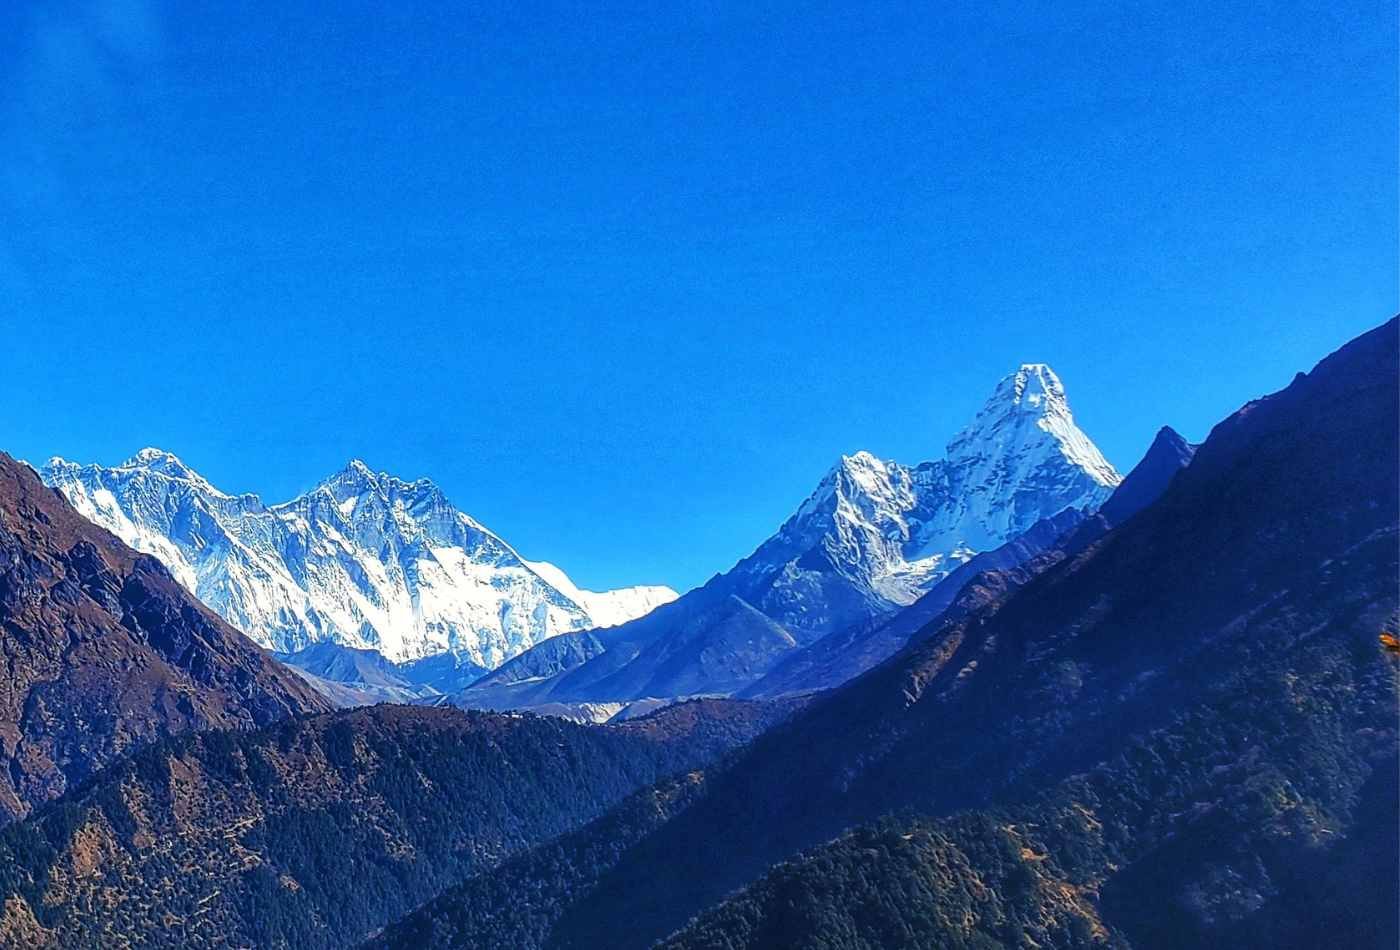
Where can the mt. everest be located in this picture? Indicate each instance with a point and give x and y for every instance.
(365, 560)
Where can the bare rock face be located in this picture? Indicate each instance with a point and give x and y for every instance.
(103, 651)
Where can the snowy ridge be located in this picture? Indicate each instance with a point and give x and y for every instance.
(365, 560)
(608, 608)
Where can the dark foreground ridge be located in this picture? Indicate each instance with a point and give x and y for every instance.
(317, 831)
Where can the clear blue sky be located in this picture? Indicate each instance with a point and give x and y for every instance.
(625, 280)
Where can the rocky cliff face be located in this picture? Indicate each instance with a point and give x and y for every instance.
(105, 651)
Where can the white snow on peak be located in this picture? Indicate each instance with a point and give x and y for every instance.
(159, 460)
(893, 530)
(1032, 386)
(168, 464)
(151, 455)
(364, 559)
(1029, 413)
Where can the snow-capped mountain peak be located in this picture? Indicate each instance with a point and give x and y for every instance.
(357, 483)
(364, 559)
(860, 480)
(893, 531)
(356, 478)
(157, 461)
(1033, 386)
(1027, 421)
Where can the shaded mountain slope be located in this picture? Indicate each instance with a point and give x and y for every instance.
(847, 653)
(706, 642)
(1290, 844)
(1231, 624)
(105, 651)
(347, 665)
(706, 728)
(554, 656)
(316, 831)
(486, 910)
(1168, 454)
(444, 672)
(354, 677)
(731, 645)
(349, 677)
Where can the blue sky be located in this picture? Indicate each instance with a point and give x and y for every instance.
(625, 280)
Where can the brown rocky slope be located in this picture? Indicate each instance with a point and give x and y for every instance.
(104, 651)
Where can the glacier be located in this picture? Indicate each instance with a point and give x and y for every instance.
(364, 559)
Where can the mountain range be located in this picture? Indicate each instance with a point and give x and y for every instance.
(163, 776)
(877, 534)
(1163, 717)
(365, 560)
(873, 538)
